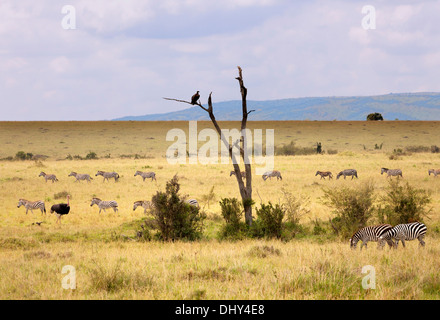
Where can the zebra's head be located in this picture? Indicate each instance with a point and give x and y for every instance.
(317, 172)
(21, 202)
(382, 170)
(339, 174)
(95, 201)
(73, 173)
(99, 173)
(430, 171)
(137, 173)
(353, 242)
(136, 204)
(41, 174)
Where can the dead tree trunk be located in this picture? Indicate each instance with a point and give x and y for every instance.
(245, 189)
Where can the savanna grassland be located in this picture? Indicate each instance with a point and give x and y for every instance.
(111, 264)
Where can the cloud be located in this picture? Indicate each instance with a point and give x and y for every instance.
(125, 56)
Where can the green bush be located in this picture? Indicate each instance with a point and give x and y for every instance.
(21, 155)
(352, 207)
(91, 156)
(174, 218)
(232, 212)
(403, 204)
(269, 222)
(292, 150)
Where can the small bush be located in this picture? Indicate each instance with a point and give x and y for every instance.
(435, 149)
(61, 195)
(91, 156)
(232, 212)
(21, 155)
(269, 221)
(403, 204)
(292, 150)
(353, 207)
(174, 218)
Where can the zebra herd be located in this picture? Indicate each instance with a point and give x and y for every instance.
(385, 233)
(353, 173)
(102, 204)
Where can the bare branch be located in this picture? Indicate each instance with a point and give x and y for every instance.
(189, 102)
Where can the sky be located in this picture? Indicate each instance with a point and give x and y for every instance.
(104, 59)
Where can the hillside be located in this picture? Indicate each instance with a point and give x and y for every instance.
(402, 106)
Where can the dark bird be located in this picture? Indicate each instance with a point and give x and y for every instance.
(60, 209)
(38, 223)
(195, 98)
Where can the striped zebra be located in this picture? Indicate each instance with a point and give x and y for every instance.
(144, 204)
(192, 202)
(243, 174)
(391, 172)
(402, 232)
(107, 175)
(145, 175)
(371, 233)
(32, 205)
(104, 204)
(435, 172)
(348, 172)
(80, 176)
(324, 174)
(48, 176)
(270, 174)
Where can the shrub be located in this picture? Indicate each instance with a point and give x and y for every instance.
(435, 149)
(232, 212)
(403, 204)
(374, 117)
(417, 149)
(21, 155)
(353, 207)
(269, 221)
(91, 156)
(292, 150)
(174, 218)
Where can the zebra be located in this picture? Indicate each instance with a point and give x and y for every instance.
(347, 172)
(193, 202)
(402, 232)
(144, 204)
(105, 204)
(243, 174)
(270, 174)
(107, 175)
(391, 172)
(48, 176)
(80, 176)
(324, 174)
(145, 175)
(435, 172)
(32, 205)
(371, 233)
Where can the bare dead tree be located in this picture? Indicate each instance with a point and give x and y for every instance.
(245, 188)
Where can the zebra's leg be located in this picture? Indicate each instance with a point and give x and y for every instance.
(27, 209)
(115, 209)
(403, 243)
(421, 242)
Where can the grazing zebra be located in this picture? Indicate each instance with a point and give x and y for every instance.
(105, 204)
(391, 172)
(324, 174)
(402, 232)
(144, 204)
(193, 202)
(270, 174)
(48, 176)
(366, 234)
(32, 205)
(107, 175)
(80, 176)
(243, 174)
(435, 172)
(145, 175)
(347, 172)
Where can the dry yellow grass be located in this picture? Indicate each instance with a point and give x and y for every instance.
(108, 267)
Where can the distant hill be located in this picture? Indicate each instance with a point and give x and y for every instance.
(402, 106)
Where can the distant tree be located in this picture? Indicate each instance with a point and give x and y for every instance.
(374, 117)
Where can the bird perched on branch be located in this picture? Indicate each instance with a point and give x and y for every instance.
(61, 209)
(195, 98)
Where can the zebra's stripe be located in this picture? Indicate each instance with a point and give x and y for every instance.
(402, 232)
(105, 204)
(146, 175)
(31, 205)
(371, 233)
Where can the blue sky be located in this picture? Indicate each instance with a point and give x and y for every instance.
(124, 56)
